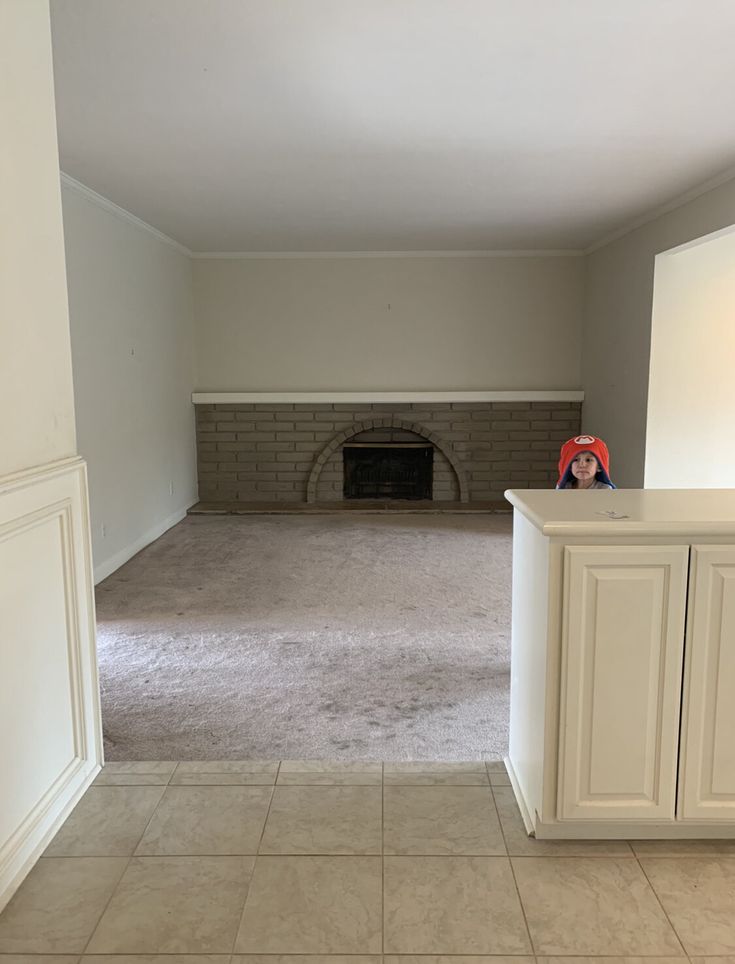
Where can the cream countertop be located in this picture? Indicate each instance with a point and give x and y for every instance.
(632, 512)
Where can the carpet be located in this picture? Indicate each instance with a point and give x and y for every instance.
(345, 637)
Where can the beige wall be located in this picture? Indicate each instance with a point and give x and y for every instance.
(617, 328)
(691, 394)
(132, 345)
(407, 324)
(49, 710)
(36, 377)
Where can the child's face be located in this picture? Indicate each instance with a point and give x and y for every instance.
(584, 466)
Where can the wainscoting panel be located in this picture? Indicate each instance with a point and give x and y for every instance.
(50, 732)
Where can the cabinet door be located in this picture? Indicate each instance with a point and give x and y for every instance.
(621, 668)
(707, 771)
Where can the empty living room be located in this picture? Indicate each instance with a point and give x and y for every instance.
(315, 314)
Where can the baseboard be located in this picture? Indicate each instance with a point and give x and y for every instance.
(520, 799)
(104, 569)
(40, 826)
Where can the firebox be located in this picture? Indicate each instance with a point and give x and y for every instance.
(379, 470)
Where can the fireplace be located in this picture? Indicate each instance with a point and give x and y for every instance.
(380, 470)
(285, 451)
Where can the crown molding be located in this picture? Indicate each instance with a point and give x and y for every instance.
(325, 255)
(100, 201)
(112, 208)
(677, 202)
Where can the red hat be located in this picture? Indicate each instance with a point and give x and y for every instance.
(583, 443)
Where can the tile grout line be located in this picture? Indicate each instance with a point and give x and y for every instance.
(255, 859)
(124, 871)
(107, 904)
(500, 823)
(382, 859)
(150, 819)
(659, 902)
(267, 815)
(133, 854)
(515, 880)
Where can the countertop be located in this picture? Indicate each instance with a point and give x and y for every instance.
(632, 512)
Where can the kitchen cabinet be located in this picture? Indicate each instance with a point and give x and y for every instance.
(623, 663)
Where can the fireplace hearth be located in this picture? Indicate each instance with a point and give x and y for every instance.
(379, 470)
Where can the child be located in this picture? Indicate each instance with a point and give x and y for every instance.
(584, 463)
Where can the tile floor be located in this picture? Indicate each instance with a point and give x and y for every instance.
(233, 863)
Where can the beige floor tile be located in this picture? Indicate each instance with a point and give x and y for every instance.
(105, 779)
(226, 773)
(698, 894)
(40, 959)
(222, 780)
(431, 774)
(612, 960)
(519, 844)
(683, 848)
(313, 905)
(175, 905)
(452, 905)
(306, 959)
(317, 772)
(593, 906)
(495, 766)
(455, 959)
(137, 773)
(58, 904)
(730, 959)
(441, 820)
(107, 822)
(498, 779)
(155, 959)
(161, 767)
(324, 820)
(207, 821)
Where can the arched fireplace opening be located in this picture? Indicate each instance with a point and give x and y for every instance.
(327, 478)
(390, 463)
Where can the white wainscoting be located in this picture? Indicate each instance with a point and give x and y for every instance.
(50, 729)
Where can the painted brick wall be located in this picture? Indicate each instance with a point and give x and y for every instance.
(266, 452)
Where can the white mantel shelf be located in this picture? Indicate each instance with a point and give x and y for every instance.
(648, 512)
(215, 398)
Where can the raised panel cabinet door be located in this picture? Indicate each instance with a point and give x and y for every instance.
(621, 669)
(707, 770)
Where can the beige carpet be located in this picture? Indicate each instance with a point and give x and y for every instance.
(310, 637)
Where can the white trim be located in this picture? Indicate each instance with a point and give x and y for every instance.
(199, 398)
(628, 228)
(634, 829)
(39, 473)
(515, 784)
(275, 255)
(691, 195)
(105, 568)
(696, 242)
(112, 208)
(41, 825)
(55, 495)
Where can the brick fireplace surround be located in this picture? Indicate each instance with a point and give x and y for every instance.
(292, 451)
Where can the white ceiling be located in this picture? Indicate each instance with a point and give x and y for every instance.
(370, 125)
